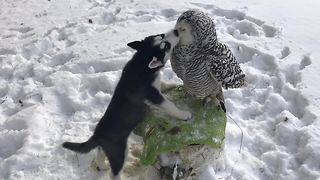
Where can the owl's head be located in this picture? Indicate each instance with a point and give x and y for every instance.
(195, 26)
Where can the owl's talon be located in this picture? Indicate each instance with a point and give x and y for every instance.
(222, 106)
(206, 101)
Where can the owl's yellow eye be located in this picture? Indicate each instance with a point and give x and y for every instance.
(183, 29)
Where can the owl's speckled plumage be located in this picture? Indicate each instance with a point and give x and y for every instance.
(203, 63)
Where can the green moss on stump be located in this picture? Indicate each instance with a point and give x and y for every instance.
(162, 133)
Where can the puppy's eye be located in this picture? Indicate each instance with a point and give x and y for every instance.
(167, 46)
(183, 29)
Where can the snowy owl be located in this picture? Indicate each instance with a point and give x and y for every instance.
(204, 64)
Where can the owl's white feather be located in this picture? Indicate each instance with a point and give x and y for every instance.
(204, 64)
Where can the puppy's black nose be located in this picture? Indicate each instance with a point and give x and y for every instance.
(175, 32)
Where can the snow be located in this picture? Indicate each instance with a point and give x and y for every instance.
(60, 62)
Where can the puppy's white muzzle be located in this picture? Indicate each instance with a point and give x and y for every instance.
(173, 38)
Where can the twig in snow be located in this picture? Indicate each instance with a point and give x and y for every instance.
(253, 88)
(78, 160)
(240, 149)
(4, 100)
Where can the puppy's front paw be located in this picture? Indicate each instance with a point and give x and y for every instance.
(168, 85)
(185, 115)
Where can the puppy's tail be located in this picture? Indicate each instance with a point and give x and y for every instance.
(84, 147)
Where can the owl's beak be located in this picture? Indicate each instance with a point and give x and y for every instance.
(176, 33)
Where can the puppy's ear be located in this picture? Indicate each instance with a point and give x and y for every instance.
(154, 63)
(135, 45)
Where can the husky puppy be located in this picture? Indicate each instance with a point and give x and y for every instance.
(138, 86)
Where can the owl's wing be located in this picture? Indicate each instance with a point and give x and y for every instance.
(224, 68)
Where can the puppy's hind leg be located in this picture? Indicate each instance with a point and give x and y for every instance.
(116, 154)
(100, 160)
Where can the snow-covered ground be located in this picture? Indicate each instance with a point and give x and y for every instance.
(60, 62)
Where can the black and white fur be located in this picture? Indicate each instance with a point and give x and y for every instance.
(139, 83)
